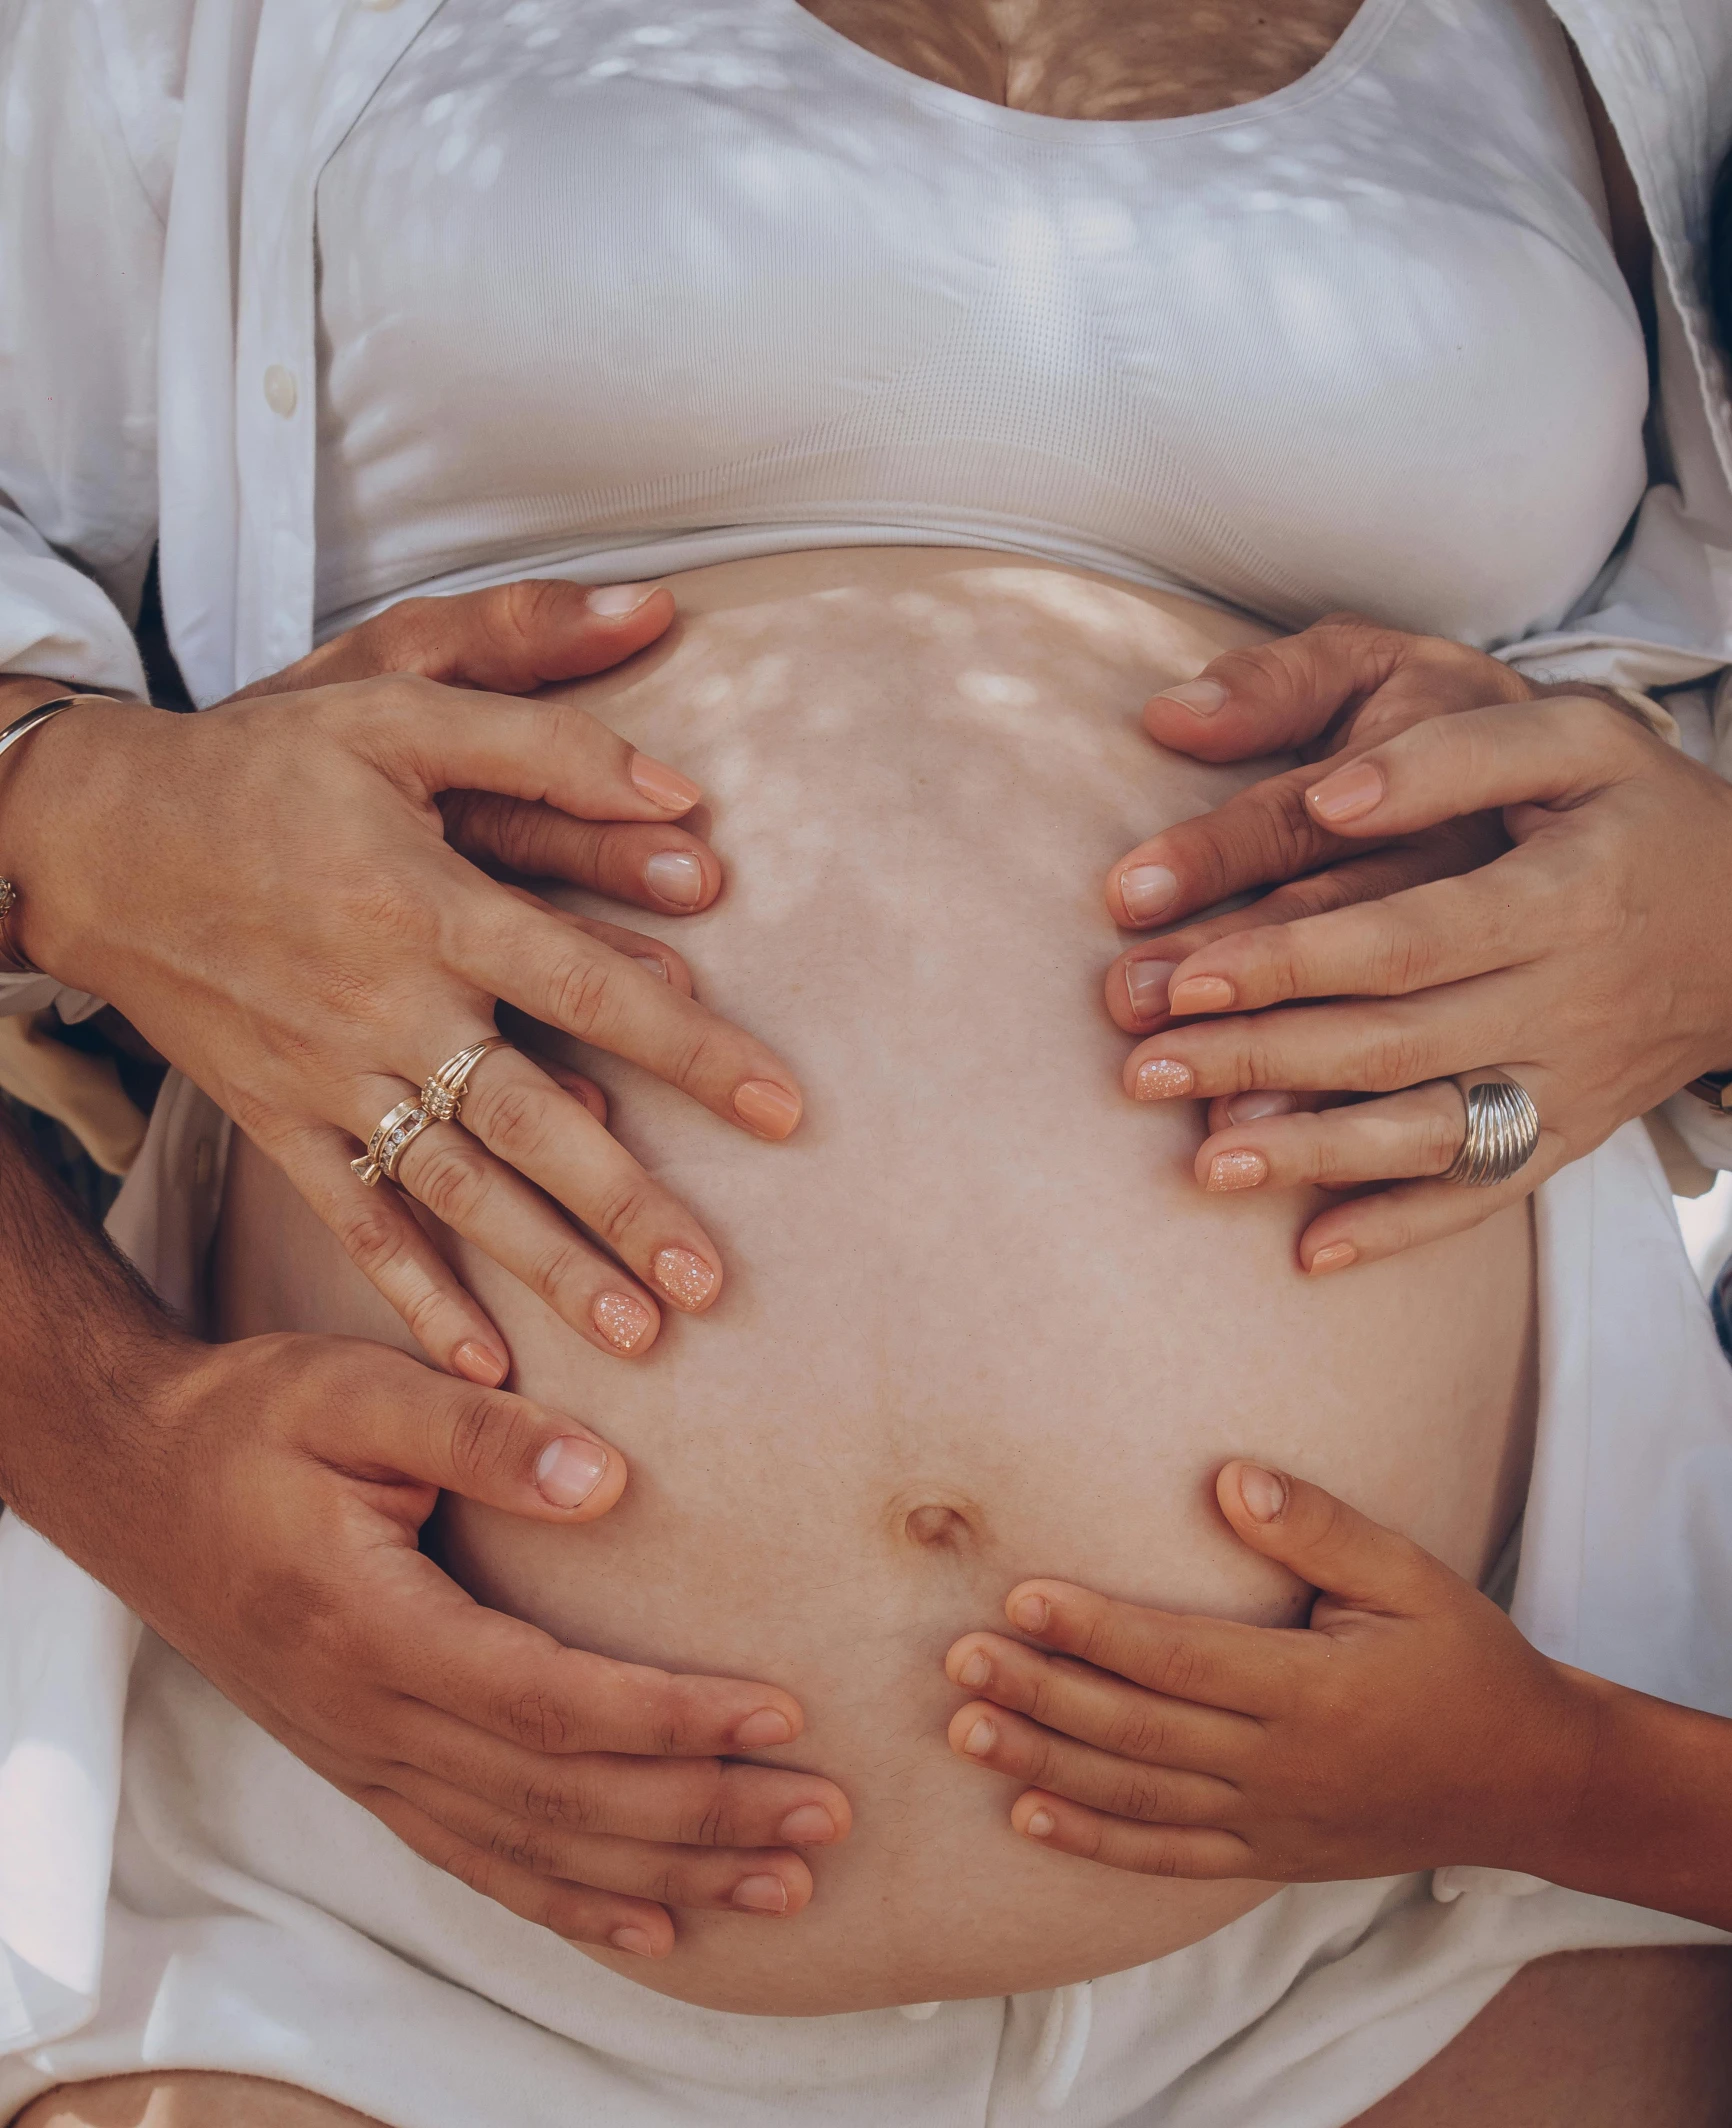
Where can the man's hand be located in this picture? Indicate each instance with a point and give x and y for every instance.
(258, 1504)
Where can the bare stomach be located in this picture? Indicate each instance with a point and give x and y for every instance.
(979, 1321)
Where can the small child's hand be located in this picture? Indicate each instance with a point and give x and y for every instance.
(1410, 1725)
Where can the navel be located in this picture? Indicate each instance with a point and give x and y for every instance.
(936, 1522)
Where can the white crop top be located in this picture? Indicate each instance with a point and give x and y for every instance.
(615, 287)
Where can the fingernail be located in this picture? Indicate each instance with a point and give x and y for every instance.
(980, 1739)
(1264, 1494)
(1336, 1257)
(1201, 697)
(476, 1364)
(1031, 1613)
(1202, 993)
(807, 1825)
(1163, 1079)
(1237, 1171)
(1253, 1107)
(684, 1277)
(761, 1895)
(633, 1940)
(768, 1109)
(654, 963)
(569, 1471)
(620, 1319)
(1146, 986)
(1147, 889)
(613, 600)
(677, 876)
(975, 1671)
(662, 785)
(1348, 794)
(1040, 1825)
(759, 1731)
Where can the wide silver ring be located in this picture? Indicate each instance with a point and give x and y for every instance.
(1503, 1131)
(442, 1093)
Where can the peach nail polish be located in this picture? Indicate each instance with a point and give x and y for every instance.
(980, 1739)
(1040, 1825)
(620, 1319)
(1202, 993)
(664, 786)
(1237, 1171)
(975, 1671)
(1164, 1079)
(1336, 1257)
(476, 1364)
(1349, 794)
(684, 1277)
(768, 1109)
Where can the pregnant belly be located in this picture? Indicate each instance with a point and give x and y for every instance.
(979, 1322)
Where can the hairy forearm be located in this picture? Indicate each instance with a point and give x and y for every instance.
(1652, 1822)
(82, 1346)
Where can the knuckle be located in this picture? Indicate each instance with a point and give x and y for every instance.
(1142, 1794)
(620, 1208)
(1140, 1733)
(563, 1275)
(536, 1718)
(582, 995)
(371, 1237)
(1393, 1057)
(516, 1120)
(450, 1179)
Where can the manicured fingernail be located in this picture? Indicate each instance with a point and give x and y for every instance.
(768, 1109)
(1164, 1079)
(975, 1671)
(677, 876)
(760, 1895)
(1040, 1825)
(1031, 1613)
(684, 1277)
(980, 1739)
(1237, 1171)
(1264, 1494)
(621, 1319)
(569, 1471)
(759, 1731)
(613, 600)
(633, 1940)
(1146, 986)
(1336, 1257)
(1253, 1107)
(1146, 890)
(807, 1826)
(476, 1364)
(662, 785)
(1348, 794)
(1203, 993)
(1201, 697)
(654, 963)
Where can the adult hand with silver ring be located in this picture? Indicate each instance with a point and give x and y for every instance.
(278, 893)
(1587, 964)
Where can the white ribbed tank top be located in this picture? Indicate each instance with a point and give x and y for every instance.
(615, 287)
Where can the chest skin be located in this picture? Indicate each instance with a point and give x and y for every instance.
(1111, 59)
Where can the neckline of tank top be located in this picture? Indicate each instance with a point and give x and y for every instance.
(1344, 58)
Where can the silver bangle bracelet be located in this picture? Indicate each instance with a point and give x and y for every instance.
(13, 959)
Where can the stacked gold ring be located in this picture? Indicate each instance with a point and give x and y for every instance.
(439, 1101)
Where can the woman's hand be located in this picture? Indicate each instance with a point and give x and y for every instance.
(267, 892)
(1584, 961)
(1409, 1726)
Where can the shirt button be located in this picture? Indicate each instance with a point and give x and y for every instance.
(280, 393)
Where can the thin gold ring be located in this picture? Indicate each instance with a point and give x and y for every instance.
(443, 1091)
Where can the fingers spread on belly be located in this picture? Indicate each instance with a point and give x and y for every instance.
(1147, 1850)
(1164, 1795)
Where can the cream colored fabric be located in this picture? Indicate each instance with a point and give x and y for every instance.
(81, 1091)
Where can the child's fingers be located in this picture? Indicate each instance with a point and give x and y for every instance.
(1332, 1545)
(1006, 1743)
(1095, 1708)
(1149, 1850)
(1213, 1661)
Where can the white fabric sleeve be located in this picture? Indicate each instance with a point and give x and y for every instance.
(89, 119)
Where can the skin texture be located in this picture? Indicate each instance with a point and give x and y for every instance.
(1407, 1725)
(1572, 957)
(163, 862)
(1110, 59)
(981, 1325)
